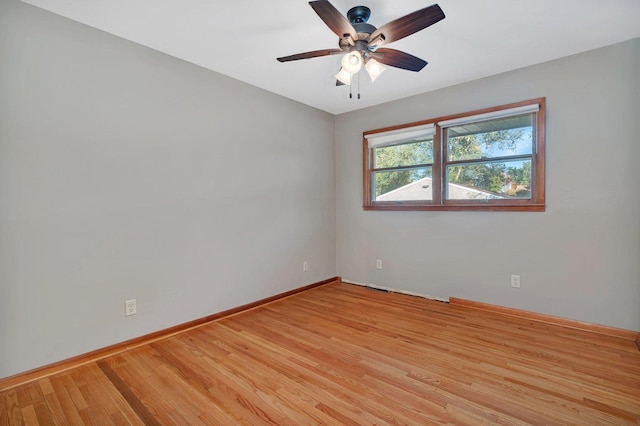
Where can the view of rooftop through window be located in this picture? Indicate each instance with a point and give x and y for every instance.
(410, 162)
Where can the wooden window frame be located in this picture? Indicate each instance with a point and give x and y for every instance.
(438, 203)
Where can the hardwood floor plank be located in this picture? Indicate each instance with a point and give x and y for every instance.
(310, 371)
(147, 386)
(71, 387)
(44, 415)
(341, 366)
(67, 405)
(104, 402)
(307, 409)
(29, 416)
(53, 403)
(197, 379)
(11, 410)
(4, 412)
(344, 354)
(217, 402)
(128, 394)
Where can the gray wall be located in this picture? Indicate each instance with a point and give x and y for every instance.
(580, 259)
(126, 173)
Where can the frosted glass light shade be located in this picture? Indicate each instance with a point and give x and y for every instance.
(374, 69)
(352, 62)
(344, 76)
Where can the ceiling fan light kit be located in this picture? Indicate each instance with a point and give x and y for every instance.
(344, 77)
(361, 42)
(374, 69)
(352, 62)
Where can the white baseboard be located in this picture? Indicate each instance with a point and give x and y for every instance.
(395, 290)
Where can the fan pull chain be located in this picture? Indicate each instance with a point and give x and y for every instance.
(357, 76)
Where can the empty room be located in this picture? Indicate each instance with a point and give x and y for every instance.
(323, 212)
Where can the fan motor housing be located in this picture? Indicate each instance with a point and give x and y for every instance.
(358, 16)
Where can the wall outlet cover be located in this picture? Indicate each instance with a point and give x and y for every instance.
(515, 281)
(130, 307)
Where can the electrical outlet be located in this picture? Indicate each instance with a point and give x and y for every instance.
(515, 281)
(379, 264)
(305, 266)
(130, 307)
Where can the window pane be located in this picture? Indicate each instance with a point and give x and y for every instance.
(488, 139)
(401, 185)
(489, 180)
(406, 154)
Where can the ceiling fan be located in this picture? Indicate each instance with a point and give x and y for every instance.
(361, 42)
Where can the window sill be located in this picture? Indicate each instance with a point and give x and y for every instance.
(457, 207)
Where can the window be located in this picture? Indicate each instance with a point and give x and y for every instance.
(491, 159)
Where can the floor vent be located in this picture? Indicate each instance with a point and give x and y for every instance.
(394, 290)
(384, 290)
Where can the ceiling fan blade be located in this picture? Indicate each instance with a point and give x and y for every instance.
(398, 59)
(312, 54)
(409, 24)
(339, 83)
(337, 22)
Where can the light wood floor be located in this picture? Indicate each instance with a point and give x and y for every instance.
(343, 354)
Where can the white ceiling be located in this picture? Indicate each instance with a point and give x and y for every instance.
(242, 38)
